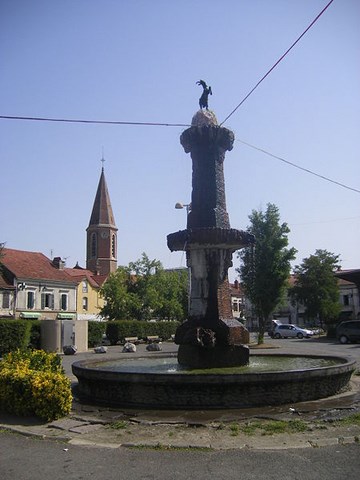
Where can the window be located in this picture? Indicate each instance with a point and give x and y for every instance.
(346, 300)
(84, 286)
(63, 301)
(113, 246)
(85, 303)
(30, 302)
(235, 306)
(6, 300)
(93, 246)
(47, 301)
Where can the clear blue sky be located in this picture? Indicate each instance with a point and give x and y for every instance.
(139, 60)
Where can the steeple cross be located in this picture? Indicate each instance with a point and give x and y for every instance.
(102, 159)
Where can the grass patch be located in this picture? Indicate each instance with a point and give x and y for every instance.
(119, 425)
(234, 429)
(353, 419)
(273, 427)
(250, 428)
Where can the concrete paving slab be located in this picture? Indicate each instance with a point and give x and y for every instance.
(82, 429)
(67, 423)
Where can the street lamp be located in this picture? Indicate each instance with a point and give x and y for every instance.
(180, 206)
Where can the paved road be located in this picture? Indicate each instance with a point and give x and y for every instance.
(23, 458)
(318, 346)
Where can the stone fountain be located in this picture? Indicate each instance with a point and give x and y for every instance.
(210, 371)
(211, 337)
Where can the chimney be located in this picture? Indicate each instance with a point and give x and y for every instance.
(58, 263)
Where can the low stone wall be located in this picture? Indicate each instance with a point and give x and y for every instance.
(209, 391)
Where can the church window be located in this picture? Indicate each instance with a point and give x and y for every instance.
(93, 246)
(113, 246)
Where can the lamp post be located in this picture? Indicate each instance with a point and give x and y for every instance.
(180, 206)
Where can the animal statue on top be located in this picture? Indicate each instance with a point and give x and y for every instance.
(203, 101)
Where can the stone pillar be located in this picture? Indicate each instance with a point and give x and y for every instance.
(211, 336)
(207, 145)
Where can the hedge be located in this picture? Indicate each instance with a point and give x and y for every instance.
(96, 331)
(34, 383)
(118, 330)
(35, 334)
(14, 334)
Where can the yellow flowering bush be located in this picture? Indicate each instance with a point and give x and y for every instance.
(34, 383)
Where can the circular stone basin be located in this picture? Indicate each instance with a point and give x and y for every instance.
(160, 382)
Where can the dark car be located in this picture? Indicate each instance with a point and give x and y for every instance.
(348, 331)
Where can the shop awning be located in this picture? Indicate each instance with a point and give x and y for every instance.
(35, 315)
(66, 316)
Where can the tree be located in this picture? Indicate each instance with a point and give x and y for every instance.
(120, 303)
(173, 299)
(316, 287)
(144, 290)
(141, 274)
(265, 268)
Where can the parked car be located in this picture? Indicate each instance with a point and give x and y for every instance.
(289, 330)
(348, 331)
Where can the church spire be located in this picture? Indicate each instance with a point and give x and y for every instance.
(101, 252)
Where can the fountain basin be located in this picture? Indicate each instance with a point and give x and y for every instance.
(140, 383)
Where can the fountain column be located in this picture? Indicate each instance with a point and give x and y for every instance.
(211, 336)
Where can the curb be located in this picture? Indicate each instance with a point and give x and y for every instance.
(293, 441)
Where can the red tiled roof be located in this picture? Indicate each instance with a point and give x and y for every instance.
(236, 289)
(32, 265)
(4, 283)
(81, 273)
(341, 281)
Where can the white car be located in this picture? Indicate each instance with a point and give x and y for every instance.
(289, 330)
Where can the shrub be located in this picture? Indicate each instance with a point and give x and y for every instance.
(14, 334)
(118, 330)
(34, 383)
(35, 335)
(96, 331)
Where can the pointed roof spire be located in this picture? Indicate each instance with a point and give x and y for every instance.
(102, 213)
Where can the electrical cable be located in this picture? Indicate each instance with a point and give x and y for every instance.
(105, 122)
(277, 63)
(300, 168)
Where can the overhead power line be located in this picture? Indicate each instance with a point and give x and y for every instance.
(105, 122)
(277, 63)
(300, 168)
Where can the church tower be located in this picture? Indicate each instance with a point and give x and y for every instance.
(101, 249)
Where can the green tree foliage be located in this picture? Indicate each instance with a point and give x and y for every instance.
(265, 268)
(173, 298)
(316, 287)
(144, 290)
(120, 302)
